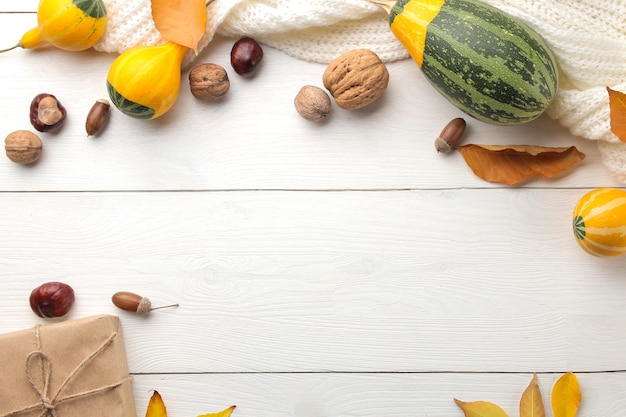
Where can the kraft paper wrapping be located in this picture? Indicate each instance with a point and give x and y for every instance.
(75, 368)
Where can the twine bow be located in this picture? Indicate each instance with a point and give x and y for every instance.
(41, 385)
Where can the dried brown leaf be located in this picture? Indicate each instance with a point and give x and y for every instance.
(480, 409)
(531, 404)
(181, 21)
(617, 103)
(566, 396)
(512, 164)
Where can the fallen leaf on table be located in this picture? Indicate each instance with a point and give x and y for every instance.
(531, 404)
(223, 413)
(156, 407)
(480, 409)
(566, 396)
(617, 103)
(511, 164)
(181, 21)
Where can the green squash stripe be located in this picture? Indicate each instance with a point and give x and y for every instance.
(128, 107)
(519, 34)
(397, 9)
(579, 228)
(92, 8)
(482, 72)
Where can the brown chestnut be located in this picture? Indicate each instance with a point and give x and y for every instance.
(52, 299)
(46, 113)
(245, 56)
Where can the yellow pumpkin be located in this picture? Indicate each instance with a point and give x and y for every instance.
(144, 81)
(600, 222)
(71, 25)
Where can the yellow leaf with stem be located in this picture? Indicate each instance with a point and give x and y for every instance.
(531, 404)
(566, 396)
(223, 413)
(156, 407)
(181, 21)
(480, 409)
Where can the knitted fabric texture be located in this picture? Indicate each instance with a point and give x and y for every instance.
(588, 38)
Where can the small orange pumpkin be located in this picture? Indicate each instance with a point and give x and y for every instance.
(600, 222)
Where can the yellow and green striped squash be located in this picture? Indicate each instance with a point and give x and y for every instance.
(71, 25)
(484, 61)
(600, 222)
(144, 81)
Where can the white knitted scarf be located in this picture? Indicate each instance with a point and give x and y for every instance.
(588, 38)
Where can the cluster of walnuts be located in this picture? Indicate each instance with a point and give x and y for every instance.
(355, 79)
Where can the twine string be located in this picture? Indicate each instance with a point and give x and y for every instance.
(48, 403)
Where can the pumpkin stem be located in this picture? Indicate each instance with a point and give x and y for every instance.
(9, 49)
(387, 5)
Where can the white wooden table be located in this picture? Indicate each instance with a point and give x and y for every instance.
(342, 269)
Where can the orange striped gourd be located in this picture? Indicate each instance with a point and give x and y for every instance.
(71, 25)
(600, 222)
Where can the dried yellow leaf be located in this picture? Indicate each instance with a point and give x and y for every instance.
(531, 404)
(181, 21)
(617, 104)
(156, 407)
(224, 413)
(480, 409)
(566, 396)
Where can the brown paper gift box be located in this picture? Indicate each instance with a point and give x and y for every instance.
(85, 360)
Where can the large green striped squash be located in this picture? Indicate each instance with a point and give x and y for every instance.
(600, 222)
(487, 63)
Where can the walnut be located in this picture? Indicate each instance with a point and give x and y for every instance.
(356, 79)
(208, 81)
(312, 103)
(23, 147)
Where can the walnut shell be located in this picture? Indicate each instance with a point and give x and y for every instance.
(23, 147)
(208, 81)
(356, 79)
(312, 103)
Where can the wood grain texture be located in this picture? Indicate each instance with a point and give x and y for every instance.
(241, 142)
(318, 281)
(364, 395)
(343, 269)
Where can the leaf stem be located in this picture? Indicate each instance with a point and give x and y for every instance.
(387, 5)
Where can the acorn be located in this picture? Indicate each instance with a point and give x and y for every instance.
(136, 303)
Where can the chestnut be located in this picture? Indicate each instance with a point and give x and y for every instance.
(52, 299)
(46, 113)
(245, 56)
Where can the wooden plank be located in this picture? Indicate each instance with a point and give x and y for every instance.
(241, 142)
(460, 280)
(365, 395)
(22, 6)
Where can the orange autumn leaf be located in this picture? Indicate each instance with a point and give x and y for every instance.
(511, 164)
(223, 413)
(531, 404)
(566, 396)
(156, 407)
(617, 103)
(181, 21)
(480, 409)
